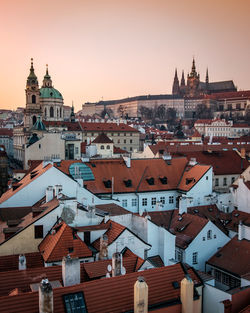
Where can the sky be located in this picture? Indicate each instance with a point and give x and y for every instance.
(112, 49)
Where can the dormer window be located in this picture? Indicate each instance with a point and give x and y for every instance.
(128, 183)
(150, 180)
(107, 183)
(164, 180)
(102, 147)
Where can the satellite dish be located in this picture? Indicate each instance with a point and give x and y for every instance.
(109, 268)
(123, 271)
(107, 275)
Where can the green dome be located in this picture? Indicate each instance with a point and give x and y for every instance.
(50, 92)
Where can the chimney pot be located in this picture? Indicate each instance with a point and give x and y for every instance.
(140, 296)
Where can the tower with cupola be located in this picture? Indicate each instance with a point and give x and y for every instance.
(33, 107)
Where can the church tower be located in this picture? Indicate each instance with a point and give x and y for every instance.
(182, 85)
(33, 108)
(193, 82)
(176, 86)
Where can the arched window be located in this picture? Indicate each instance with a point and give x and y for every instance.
(51, 112)
(34, 119)
(33, 99)
(102, 147)
(60, 112)
(57, 112)
(209, 234)
(45, 112)
(108, 147)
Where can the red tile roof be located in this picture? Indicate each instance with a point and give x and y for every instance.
(10, 262)
(107, 127)
(121, 299)
(6, 132)
(113, 232)
(102, 138)
(112, 209)
(71, 126)
(244, 94)
(56, 245)
(233, 257)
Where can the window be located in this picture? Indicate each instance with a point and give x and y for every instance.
(124, 140)
(74, 303)
(102, 147)
(51, 112)
(134, 202)
(124, 203)
(209, 235)
(171, 199)
(224, 181)
(131, 140)
(153, 201)
(33, 99)
(39, 146)
(108, 147)
(178, 255)
(125, 134)
(118, 134)
(203, 238)
(195, 257)
(214, 236)
(232, 180)
(34, 119)
(206, 177)
(118, 141)
(131, 149)
(216, 181)
(162, 200)
(38, 231)
(77, 150)
(144, 201)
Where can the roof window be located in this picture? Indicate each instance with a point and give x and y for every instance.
(150, 180)
(175, 284)
(164, 180)
(74, 302)
(189, 180)
(107, 183)
(128, 183)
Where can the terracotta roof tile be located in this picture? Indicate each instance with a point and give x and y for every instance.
(113, 232)
(121, 298)
(71, 126)
(102, 138)
(107, 127)
(58, 243)
(10, 262)
(233, 257)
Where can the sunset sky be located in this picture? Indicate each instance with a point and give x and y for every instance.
(114, 49)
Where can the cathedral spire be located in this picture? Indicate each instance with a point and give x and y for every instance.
(176, 86)
(182, 79)
(207, 78)
(32, 74)
(47, 82)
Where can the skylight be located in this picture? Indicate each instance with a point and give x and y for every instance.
(74, 303)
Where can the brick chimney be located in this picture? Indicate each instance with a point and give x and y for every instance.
(49, 193)
(71, 274)
(103, 254)
(187, 294)
(140, 296)
(45, 297)
(22, 262)
(116, 264)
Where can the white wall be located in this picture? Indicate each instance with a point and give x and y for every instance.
(241, 196)
(212, 298)
(206, 248)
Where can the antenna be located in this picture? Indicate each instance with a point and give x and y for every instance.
(109, 268)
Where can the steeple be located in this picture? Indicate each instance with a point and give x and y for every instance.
(193, 71)
(207, 78)
(182, 79)
(32, 79)
(176, 87)
(47, 82)
(72, 114)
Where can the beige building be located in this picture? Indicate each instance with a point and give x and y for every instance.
(214, 128)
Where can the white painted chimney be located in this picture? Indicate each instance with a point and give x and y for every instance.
(116, 264)
(22, 262)
(57, 190)
(187, 295)
(140, 296)
(49, 193)
(45, 297)
(240, 231)
(183, 205)
(71, 274)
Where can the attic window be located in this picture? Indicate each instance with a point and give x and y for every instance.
(150, 180)
(196, 211)
(74, 302)
(107, 183)
(164, 180)
(70, 249)
(14, 187)
(33, 174)
(189, 180)
(175, 284)
(128, 183)
(161, 151)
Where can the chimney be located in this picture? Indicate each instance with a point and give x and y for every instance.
(45, 297)
(192, 162)
(49, 193)
(187, 294)
(22, 262)
(140, 296)
(103, 254)
(240, 231)
(71, 274)
(116, 264)
(243, 153)
(183, 205)
(57, 189)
